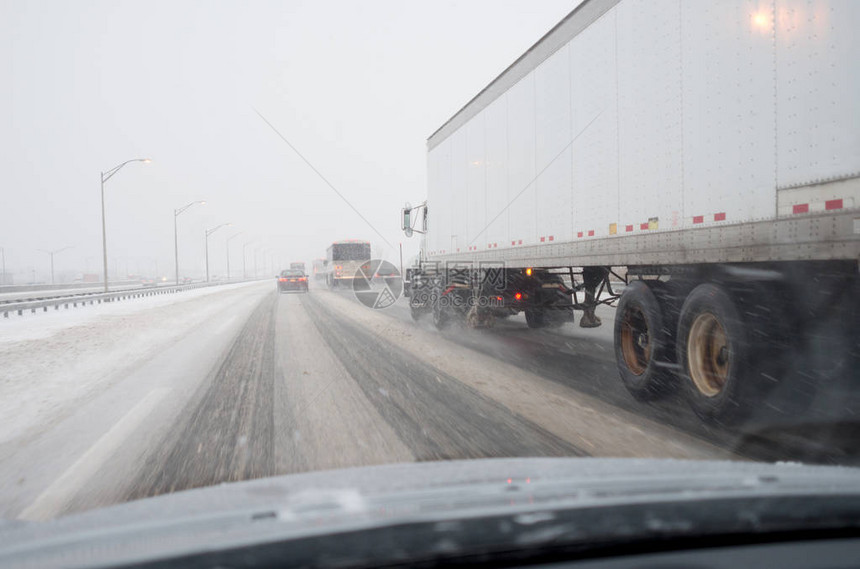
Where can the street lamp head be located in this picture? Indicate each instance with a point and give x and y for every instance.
(146, 160)
(216, 228)
(182, 209)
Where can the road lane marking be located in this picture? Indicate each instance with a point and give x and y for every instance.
(53, 499)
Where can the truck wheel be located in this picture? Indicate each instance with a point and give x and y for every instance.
(713, 350)
(535, 318)
(640, 343)
(414, 312)
(440, 315)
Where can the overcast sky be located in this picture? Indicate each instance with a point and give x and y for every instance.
(357, 87)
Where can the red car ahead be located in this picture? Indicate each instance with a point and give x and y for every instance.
(292, 279)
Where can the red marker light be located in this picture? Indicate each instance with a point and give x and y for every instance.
(499, 298)
(518, 296)
(509, 480)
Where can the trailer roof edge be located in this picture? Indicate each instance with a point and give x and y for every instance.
(568, 28)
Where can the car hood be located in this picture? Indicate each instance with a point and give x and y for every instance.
(300, 506)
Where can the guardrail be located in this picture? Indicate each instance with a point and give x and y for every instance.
(85, 299)
(63, 286)
(50, 295)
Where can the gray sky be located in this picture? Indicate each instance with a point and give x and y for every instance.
(357, 87)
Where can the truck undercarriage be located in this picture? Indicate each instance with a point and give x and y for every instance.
(721, 334)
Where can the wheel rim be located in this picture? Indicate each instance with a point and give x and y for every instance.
(635, 340)
(708, 354)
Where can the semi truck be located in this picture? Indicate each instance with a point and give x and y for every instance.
(319, 271)
(706, 155)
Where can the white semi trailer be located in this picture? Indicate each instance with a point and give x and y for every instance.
(705, 153)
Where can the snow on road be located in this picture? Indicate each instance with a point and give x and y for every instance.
(49, 362)
(587, 422)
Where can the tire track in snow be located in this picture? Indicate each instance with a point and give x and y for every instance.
(434, 414)
(228, 431)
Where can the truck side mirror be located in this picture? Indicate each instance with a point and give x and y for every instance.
(406, 220)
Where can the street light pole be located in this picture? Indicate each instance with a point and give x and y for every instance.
(228, 252)
(105, 176)
(51, 253)
(104, 233)
(263, 260)
(176, 213)
(244, 247)
(208, 233)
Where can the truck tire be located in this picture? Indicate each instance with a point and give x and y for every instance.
(441, 318)
(714, 352)
(414, 312)
(641, 343)
(535, 317)
(553, 313)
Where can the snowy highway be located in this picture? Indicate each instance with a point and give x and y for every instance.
(167, 393)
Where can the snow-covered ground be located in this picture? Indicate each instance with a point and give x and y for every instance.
(51, 361)
(44, 324)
